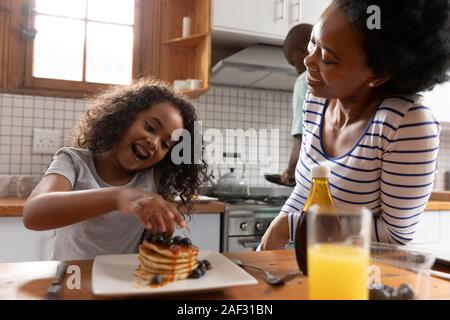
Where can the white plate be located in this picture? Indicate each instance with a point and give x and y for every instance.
(112, 275)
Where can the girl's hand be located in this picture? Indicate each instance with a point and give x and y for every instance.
(154, 212)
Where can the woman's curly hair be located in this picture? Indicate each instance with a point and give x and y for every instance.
(413, 44)
(111, 113)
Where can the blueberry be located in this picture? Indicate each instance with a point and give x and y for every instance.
(389, 290)
(156, 279)
(381, 292)
(201, 265)
(186, 241)
(167, 242)
(150, 237)
(196, 273)
(377, 292)
(405, 292)
(177, 239)
(202, 271)
(207, 264)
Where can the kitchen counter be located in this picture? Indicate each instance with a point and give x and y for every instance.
(30, 280)
(12, 207)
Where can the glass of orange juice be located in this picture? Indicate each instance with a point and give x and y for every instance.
(338, 248)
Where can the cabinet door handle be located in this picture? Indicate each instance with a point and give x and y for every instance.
(283, 9)
(296, 8)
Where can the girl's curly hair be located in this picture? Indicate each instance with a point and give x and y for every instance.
(111, 113)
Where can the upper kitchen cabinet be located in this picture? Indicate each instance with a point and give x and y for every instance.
(266, 21)
(310, 10)
(186, 57)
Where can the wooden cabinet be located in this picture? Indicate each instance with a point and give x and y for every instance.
(189, 57)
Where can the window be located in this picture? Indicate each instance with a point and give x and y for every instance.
(438, 100)
(77, 46)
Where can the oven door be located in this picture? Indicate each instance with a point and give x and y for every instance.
(243, 243)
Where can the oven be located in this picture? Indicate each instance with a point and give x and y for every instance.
(245, 223)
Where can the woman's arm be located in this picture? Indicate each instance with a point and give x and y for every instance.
(407, 176)
(277, 235)
(53, 204)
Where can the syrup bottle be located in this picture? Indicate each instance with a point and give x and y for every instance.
(320, 195)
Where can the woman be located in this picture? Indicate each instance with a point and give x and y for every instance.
(363, 117)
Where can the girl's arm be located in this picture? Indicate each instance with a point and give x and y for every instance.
(53, 204)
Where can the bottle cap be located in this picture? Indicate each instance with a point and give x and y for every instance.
(320, 172)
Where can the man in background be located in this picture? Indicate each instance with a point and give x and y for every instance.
(295, 50)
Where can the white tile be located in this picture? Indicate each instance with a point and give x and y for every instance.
(16, 149)
(7, 111)
(7, 100)
(16, 121)
(39, 103)
(5, 140)
(16, 130)
(27, 122)
(38, 122)
(18, 100)
(15, 140)
(6, 121)
(28, 102)
(15, 158)
(4, 168)
(48, 123)
(25, 168)
(27, 131)
(15, 168)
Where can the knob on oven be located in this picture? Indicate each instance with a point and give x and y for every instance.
(244, 226)
(259, 226)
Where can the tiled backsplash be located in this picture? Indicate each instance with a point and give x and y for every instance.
(221, 108)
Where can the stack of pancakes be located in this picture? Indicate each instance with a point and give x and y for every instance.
(164, 260)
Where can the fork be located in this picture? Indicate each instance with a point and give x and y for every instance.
(270, 278)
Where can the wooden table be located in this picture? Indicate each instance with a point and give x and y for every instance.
(30, 280)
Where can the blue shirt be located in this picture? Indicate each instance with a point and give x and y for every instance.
(298, 98)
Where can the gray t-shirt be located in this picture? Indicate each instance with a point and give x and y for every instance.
(111, 233)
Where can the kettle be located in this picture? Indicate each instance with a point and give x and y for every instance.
(231, 185)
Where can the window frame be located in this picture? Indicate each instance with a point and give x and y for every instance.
(19, 52)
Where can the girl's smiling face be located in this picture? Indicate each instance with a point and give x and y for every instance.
(336, 63)
(148, 140)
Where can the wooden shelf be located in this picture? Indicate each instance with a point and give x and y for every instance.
(194, 93)
(188, 42)
(186, 57)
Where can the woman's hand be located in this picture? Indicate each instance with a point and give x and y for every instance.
(154, 212)
(287, 177)
(277, 235)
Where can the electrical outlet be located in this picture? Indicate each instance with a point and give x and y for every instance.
(46, 141)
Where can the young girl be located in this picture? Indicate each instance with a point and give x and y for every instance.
(118, 177)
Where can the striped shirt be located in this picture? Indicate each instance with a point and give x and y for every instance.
(390, 169)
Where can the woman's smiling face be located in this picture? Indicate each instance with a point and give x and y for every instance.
(148, 140)
(336, 62)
